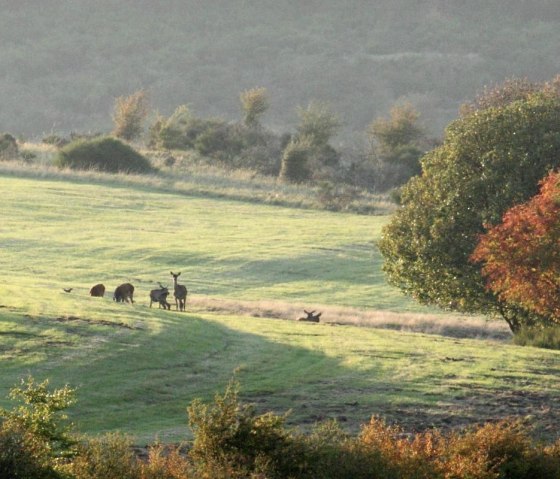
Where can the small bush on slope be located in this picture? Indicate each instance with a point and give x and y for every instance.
(104, 154)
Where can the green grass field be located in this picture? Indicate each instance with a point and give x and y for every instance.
(136, 368)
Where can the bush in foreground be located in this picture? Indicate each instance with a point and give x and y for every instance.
(103, 154)
(231, 441)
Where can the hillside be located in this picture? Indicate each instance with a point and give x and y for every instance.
(137, 368)
(65, 62)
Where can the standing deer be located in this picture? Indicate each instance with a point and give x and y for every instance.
(124, 293)
(98, 290)
(311, 316)
(160, 296)
(180, 292)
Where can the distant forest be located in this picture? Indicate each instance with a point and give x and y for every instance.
(65, 61)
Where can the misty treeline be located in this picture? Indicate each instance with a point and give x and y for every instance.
(64, 63)
(389, 157)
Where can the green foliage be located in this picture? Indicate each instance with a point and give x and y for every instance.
(8, 147)
(103, 154)
(229, 144)
(41, 413)
(396, 146)
(109, 457)
(295, 161)
(498, 96)
(218, 139)
(129, 115)
(317, 123)
(23, 455)
(489, 161)
(401, 129)
(254, 103)
(171, 133)
(230, 433)
(336, 198)
(335, 454)
(35, 436)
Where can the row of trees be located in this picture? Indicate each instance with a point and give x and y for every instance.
(473, 233)
(390, 159)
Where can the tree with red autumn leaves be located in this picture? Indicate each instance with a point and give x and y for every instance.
(521, 256)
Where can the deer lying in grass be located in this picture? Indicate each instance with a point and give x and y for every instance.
(311, 316)
(160, 296)
(98, 290)
(179, 291)
(124, 293)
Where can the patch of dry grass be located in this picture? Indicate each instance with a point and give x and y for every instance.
(457, 326)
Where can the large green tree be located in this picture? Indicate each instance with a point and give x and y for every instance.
(490, 160)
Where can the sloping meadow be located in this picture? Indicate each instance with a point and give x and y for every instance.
(136, 368)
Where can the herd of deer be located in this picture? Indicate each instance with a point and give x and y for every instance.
(125, 293)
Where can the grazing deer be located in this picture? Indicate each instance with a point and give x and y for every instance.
(124, 293)
(311, 316)
(98, 290)
(180, 292)
(160, 296)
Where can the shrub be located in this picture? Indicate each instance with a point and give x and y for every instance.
(254, 103)
(334, 454)
(295, 158)
(317, 123)
(129, 115)
(103, 154)
(336, 198)
(23, 455)
(41, 414)
(498, 450)
(34, 436)
(108, 457)
(230, 144)
(229, 435)
(167, 463)
(8, 147)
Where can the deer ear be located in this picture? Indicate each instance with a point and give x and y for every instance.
(179, 274)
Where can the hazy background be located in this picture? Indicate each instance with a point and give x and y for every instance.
(64, 61)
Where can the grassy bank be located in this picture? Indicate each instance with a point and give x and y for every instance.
(245, 265)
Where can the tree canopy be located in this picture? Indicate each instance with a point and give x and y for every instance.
(520, 256)
(489, 161)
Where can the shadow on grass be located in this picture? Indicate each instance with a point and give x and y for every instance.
(140, 381)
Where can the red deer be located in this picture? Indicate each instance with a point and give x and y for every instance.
(180, 292)
(160, 296)
(314, 318)
(98, 290)
(124, 293)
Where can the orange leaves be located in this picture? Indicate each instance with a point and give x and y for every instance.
(521, 256)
